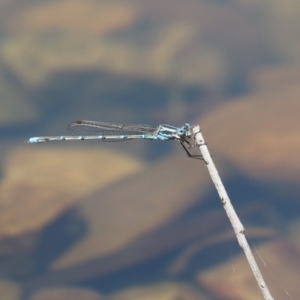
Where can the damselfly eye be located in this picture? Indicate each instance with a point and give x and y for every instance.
(181, 131)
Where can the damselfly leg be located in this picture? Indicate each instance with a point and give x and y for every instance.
(188, 144)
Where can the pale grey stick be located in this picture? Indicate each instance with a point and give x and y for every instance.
(234, 219)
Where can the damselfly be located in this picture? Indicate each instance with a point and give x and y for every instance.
(110, 132)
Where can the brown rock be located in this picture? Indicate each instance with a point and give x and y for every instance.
(9, 290)
(161, 291)
(136, 206)
(89, 17)
(258, 134)
(41, 184)
(66, 293)
(234, 279)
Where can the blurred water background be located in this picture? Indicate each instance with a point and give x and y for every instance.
(139, 220)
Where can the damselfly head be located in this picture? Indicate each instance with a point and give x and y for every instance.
(185, 130)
